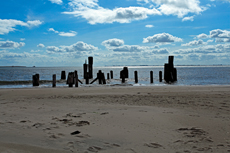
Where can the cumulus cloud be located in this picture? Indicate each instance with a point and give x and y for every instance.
(161, 38)
(113, 42)
(189, 18)
(179, 8)
(93, 13)
(195, 43)
(10, 44)
(77, 47)
(218, 33)
(161, 51)
(149, 26)
(56, 1)
(202, 36)
(8, 25)
(129, 48)
(64, 34)
(222, 40)
(40, 45)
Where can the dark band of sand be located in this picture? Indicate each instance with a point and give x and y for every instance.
(116, 119)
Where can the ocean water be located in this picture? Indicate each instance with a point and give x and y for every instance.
(21, 77)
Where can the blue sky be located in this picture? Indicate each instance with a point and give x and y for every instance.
(114, 32)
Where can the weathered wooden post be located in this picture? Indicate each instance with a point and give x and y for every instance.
(90, 66)
(87, 78)
(126, 72)
(151, 76)
(136, 76)
(54, 80)
(63, 75)
(107, 76)
(76, 78)
(70, 79)
(85, 70)
(103, 78)
(35, 80)
(160, 76)
(122, 77)
(99, 77)
(111, 74)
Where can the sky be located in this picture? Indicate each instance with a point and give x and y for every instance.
(47, 33)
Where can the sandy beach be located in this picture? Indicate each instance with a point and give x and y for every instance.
(177, 119)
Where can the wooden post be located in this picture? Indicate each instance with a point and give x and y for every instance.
(136, 76)
(151, 76)
(160, 76)
(107, 76)
(90, 66)
(35, 80)
(126, 72)
(103, 78)
(87, 78)
(70, 79)
(111, 74)
(76, 78)
(85, 70)
(63, 75)
(54, 80)
(99, 77)
(122, 77)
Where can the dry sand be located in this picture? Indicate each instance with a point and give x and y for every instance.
(163, 119)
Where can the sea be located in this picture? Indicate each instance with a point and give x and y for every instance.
(21, 77)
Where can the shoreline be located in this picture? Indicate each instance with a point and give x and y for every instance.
(116, 119)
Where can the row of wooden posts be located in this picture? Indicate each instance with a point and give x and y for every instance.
(170, 74)
(72, 78)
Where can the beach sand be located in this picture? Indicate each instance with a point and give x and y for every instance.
(177, 119)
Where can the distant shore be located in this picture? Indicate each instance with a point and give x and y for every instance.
(115, 119)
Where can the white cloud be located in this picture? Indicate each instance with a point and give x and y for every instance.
(77, 47)
(113, 42)
(68, 34)
(195, 43)
(40, 45)
(179, 8)
(129, 48)
(10, 44)
(161, 38)
(56, 1)
(218, 33)
(22, 39)
(93, 13)
(222, 40)
(52, 29)
(149, 26)
(189, 18)
(210, 40)
(161, 51)
(8, 25)
(64, 34)
(202, 36)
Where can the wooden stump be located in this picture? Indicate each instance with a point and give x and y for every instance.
(136, 76)
(160, 76)
(63, 75)
(35, 80)
(76, 78)
(54, 80)
(151, 76)
(111, 74)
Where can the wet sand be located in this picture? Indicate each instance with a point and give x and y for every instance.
(115, 119)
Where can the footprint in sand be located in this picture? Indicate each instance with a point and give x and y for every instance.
(94, 149)
(153, 145)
